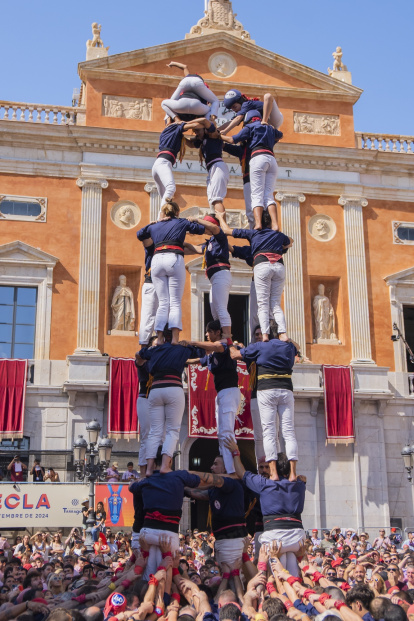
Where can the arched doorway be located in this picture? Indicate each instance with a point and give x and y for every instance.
(202, 454)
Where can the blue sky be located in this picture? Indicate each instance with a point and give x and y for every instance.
(42, 42)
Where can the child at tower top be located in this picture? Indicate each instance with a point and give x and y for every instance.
(241, 104)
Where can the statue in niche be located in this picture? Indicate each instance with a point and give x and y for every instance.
(123, 308)
(324, 317)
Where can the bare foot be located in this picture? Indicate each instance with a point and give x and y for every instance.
(293, 477)
(265, 338)
(275, 227)
(258, 227)
(148, 473)
(175, 343)
(274, 477)
(165, 470)
(283, 336)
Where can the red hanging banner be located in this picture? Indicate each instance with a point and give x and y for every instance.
(339, 404)
(123, 395)
(13, 375)
(201, 404)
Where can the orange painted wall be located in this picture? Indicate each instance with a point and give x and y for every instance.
(59, 236)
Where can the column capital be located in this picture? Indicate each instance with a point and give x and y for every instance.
(296, 196)
(150, 187)
(84, 181)
(346, 199)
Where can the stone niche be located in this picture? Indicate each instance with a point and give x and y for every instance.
(330, 326)
(133, 280)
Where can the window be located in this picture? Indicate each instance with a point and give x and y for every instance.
(17, 208)
(17, 321)
(24, 208)
(403, 232)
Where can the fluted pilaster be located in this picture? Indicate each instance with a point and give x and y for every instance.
(357, 278)
(89, 268)
(155, 200)
(294, 298)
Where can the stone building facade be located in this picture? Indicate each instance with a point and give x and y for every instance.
(346, 198)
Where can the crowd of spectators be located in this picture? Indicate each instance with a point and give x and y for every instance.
(342, 575)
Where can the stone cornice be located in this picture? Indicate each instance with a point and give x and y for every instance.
(219, 87)
(212, 42)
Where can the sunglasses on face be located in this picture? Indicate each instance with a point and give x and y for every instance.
(331, 575)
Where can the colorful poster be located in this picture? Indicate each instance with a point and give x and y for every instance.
(118, 503)
(40, 505)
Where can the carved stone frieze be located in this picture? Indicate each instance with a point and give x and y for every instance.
(235, 218)
(325, 124)
(127, 107)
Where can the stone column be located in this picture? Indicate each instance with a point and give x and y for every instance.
(89, 268)
(357, 278)
(294, 299)
(155, 200)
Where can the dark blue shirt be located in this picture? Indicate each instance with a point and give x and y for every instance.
(143, 377)
(165, 491)
(274, 357)
(149, 253)
(173, 230)
(166, 358)
(282, 497)
(216, 251)
(170, 138)
(227, 509)
(250, 105)
(257, 136)
(223, 368)
(243, 152)
(244, 253)
(211, 148)
(265, 240)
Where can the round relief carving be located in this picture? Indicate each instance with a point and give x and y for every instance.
(222, 65)
(125, 214)
(322, 227)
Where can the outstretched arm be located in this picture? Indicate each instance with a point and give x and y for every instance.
(209, 226)
(208, 347)
(196, 494)
(209, 479)
(236, 121)
(192, 249)
(224, 226)
(181, 66)
(238, 466)
(235, 353)
(200, 123)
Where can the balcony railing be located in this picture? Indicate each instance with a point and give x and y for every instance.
(38, 113)
(410, 383)
(385, 142)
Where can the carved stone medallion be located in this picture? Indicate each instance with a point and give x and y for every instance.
(222, 65)
(125, 214)
(322, 227)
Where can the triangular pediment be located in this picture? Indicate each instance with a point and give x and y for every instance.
(19, 252)
(405, 277)
(148, 65)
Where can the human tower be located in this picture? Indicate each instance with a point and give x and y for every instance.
(190, 122)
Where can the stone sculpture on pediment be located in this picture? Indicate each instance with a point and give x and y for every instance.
(219, 16)
(95, 47)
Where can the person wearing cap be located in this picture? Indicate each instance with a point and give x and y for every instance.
(326, 543)
(143, 412)
(241, 104)
(315, 539)
(149, 300)
(210, 145)
(216, 256)
(363, 537)
(37, 472)
(191, 97)
(167, 267)
(274, 365)
(381, 541)
(261, 139)
(112, 474)
(226, 382)
(17, 469)
(171, 146)
(267, 247)
(166, 401)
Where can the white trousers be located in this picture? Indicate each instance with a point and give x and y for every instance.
(219, 296)
(149, 305)
(258, 431)
(144, 428)
(166, 408)
(247, 193)
(217, 180)
(274, 402)
(263, 175)
(174, 105)
(168, 277)
(227, 405)
(269, 279)
(162, 173)
(276, 117)
(291, 540)
(228, 550)
(152, 537)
